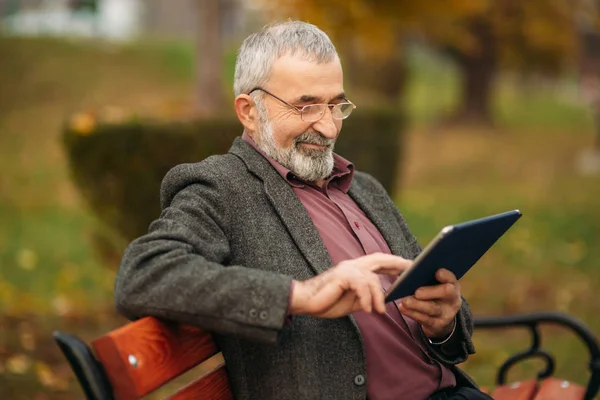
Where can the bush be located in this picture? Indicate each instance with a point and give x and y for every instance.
(118, 167)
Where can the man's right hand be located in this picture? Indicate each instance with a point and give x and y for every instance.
(350, 286)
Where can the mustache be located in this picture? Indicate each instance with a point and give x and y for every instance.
(313, 137)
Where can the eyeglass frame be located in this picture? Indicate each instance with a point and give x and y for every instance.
(300, 110)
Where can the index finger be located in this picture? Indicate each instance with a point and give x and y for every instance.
(386, 263)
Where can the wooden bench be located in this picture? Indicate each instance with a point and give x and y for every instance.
(138, 358)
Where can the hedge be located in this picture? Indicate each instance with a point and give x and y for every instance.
(118, 166)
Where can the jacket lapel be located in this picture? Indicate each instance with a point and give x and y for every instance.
(380, 218)
(287, 205)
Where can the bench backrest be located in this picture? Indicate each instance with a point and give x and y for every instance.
(141, 356)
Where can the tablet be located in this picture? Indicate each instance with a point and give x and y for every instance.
(456, 248)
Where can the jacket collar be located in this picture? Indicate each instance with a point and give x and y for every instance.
(287, 205)
(296, 218)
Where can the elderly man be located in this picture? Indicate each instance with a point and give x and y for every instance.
(284, 251)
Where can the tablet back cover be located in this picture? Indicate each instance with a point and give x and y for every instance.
(459, 248)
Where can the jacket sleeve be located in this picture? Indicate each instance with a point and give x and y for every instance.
(179, 270)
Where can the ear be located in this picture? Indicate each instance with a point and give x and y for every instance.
(245, 108)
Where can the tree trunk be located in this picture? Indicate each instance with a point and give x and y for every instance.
(209, 99)
(382, 78)
(477, 71)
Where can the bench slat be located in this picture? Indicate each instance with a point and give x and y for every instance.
(525, 390)
(158, 351)
(558, 389)
(213, 386)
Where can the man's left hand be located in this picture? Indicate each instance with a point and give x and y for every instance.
(435, 307)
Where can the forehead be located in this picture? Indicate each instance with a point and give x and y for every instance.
(294, 76)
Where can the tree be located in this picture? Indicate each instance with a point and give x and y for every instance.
(209, 98)
(480, 35)
(535, 36)
(370, 34)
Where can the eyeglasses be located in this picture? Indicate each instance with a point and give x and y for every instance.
(314, 112)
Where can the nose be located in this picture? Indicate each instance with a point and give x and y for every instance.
(327, 126)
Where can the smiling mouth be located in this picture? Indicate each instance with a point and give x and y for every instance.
(313, 146)
(316, 146)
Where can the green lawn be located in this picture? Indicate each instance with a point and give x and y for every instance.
(50, 277)
(548, 261)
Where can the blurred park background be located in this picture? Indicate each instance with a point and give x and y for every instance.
(465, 108)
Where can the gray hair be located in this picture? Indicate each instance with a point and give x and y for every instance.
(261, 49)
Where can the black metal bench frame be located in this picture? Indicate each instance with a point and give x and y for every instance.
(95, 384)
(532, 322)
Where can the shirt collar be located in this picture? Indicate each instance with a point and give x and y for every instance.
(341, 175)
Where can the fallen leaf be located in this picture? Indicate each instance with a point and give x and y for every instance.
(18, 364)
(47, 377)
(27, 340)
(62, 305)
(83, 124)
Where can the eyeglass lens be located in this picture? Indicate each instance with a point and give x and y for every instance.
(314, 112)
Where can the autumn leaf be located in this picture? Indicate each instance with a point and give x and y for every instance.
(83, 123)
(18, 364)
(48, 378)
(27, 336)
(62, 305)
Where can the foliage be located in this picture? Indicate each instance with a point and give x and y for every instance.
(537, 33)
(372, 26)
(481, 36)
(118, 167)
(50, 279)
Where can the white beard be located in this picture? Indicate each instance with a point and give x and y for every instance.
(310, 165)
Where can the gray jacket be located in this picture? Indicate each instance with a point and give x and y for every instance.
(231, 237)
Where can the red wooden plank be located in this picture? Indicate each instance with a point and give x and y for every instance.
(212, 386)
(143, 355)
(559, 389)
(525, 390)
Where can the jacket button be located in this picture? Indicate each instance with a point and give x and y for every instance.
(253, 313)
(263, 315)
(359, 380)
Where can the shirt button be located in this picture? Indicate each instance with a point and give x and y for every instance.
(263, 315)
(356, 225)
(359, 380)
(253, 313)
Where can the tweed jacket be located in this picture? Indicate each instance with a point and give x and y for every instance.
(231, 237)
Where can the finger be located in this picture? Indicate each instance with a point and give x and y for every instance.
(377, 294)
(430, 308)
(386, 263)
(363, 292)
(445, 276)
(422, 318)
(437, 292)
(346, 304)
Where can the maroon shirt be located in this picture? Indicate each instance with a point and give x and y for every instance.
(397, 362)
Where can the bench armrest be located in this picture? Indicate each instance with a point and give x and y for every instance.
(532, 322)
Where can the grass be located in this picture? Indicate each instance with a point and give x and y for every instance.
(548, 261)
(50, 277)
